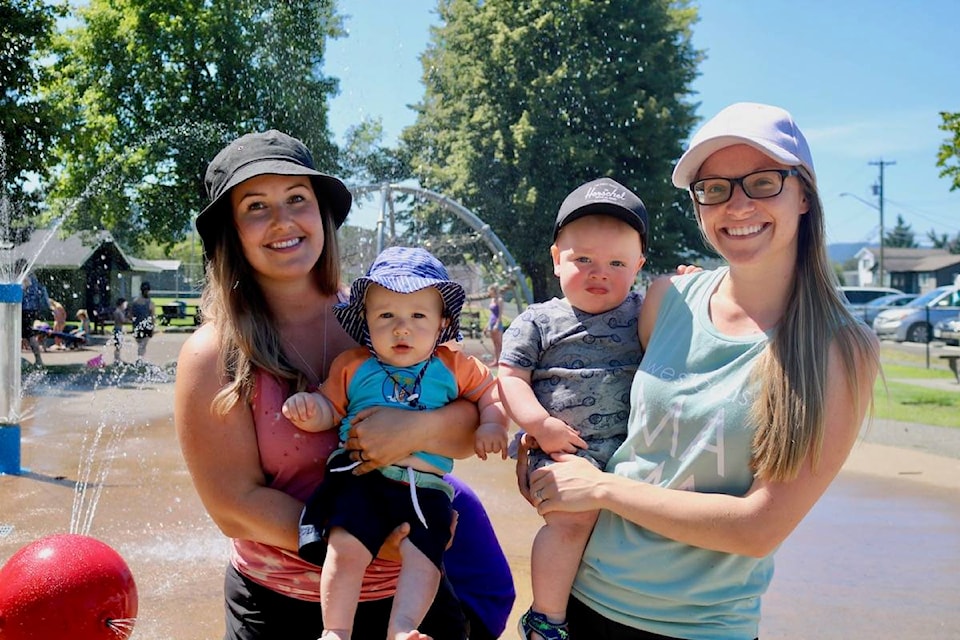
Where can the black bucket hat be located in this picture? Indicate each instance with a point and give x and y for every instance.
(257, 154)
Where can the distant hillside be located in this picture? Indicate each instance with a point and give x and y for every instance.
(843, 251)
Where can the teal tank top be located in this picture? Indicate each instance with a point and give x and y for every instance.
(688, 429)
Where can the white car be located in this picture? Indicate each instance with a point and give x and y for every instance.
(914, 322)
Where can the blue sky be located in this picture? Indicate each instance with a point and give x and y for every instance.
(865, 80)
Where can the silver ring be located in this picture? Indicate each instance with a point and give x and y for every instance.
(539, 495)
(360, 455)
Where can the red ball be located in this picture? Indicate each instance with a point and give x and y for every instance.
(67, 586)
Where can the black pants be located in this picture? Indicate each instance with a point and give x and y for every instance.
(586, 623)
(254, 612)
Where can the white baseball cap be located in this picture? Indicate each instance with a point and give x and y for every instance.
(768, 129)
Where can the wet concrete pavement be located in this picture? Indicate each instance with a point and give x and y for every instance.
(878, 557)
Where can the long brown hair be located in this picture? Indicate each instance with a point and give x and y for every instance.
(233, 301)
(792, 370)
(791, 373)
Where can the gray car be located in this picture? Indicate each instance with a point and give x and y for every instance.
(948, 331)
(869, 311)
(914, 321)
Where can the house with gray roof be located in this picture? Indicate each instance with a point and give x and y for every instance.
(87, 270)
(912, 270)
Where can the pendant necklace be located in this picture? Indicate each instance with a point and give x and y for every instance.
(316, 378)
(403, 394)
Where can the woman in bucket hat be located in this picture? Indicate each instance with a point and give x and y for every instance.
(403, 311)
(751, 392)
(272, 279)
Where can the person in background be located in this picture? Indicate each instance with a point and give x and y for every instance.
(35, 302)
(119, 319)
(59, 324)
(566, 369)
(754, 383)
(403, 310)
(84, 319)
(272, 279)
(143, 317)
(476, 564)
(494, 327)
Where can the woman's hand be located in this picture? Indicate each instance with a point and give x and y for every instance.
(569, 484)
(390, 549)
(376, 437)
(526, 443)
(381, 436)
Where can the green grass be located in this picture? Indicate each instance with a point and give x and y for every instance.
(899, 400)
(177, 322)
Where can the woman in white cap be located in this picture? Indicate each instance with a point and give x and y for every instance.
(272, 279)
(752, 389)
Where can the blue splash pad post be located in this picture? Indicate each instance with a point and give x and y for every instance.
(11, 297)
(9, 449)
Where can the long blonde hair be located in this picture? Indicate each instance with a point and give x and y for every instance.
(233, 301)
(792, 370)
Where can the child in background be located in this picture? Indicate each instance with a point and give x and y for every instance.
(566, 369)
(402, 311)
(59, 324)
(142, 316)
(494, 327)
(84, 328)
(119, 318)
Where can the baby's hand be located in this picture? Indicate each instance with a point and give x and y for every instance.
(490, 437)
(300, 409)
(556, 436)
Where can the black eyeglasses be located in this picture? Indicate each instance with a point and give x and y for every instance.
(757, 185)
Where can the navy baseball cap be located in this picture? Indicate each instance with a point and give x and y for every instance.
(604, 196)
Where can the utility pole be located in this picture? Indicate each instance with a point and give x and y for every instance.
(878, 191)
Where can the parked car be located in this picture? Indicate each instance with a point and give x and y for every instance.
(948, 331)
(869, 311)
(863, 295)
(914, 321)
(856, 297)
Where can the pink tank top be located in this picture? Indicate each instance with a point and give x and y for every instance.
(294, 461)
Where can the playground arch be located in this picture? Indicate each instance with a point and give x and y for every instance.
(500, 252)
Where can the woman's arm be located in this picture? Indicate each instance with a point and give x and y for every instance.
(387, 435)
(222, 456)
(651, 307)
(754, 524)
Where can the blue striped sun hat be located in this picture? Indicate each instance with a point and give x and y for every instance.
(404, 270)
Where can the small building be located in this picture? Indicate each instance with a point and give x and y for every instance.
(87, 270)
(912, 270)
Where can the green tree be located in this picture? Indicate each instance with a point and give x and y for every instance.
(27, 122)
(152, 89)
(948, 158)
(365, 160)
(900, 236)
(527, 99)
(943, 241)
